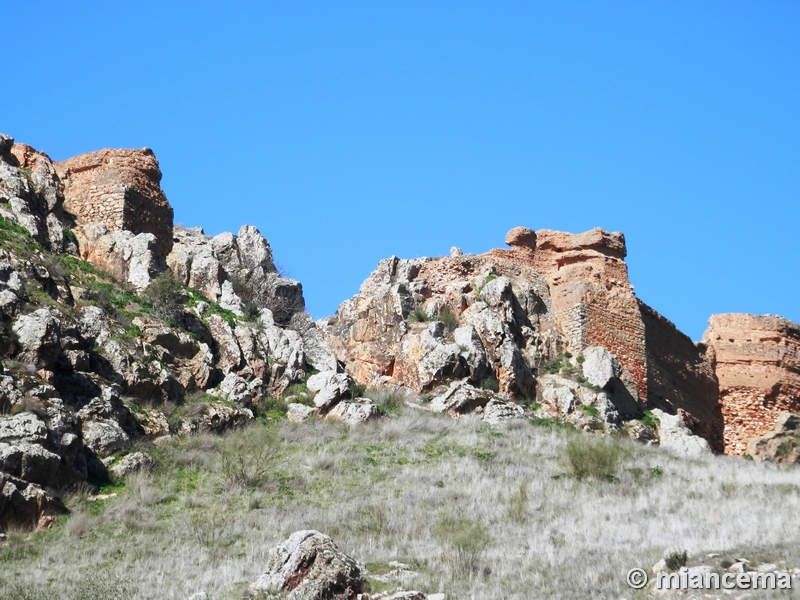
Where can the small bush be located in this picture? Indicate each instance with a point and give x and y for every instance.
(387, 401)
(649, 419)
(590, 411)
(592, 458)
(418, 315)
(165, 294)
(248, 458)
(676, 560)
(448, 318)
(466, 540)
(491, 384)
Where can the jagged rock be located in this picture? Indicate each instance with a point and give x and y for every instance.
(229, 354)
(193, 262)
(297, 413)
(455, 251)
(30, 194)
(498, 411)
(781, 445)
(579, 404)
(675, 436)
(132, 463)
(460, 398)
(329, 387)
(104, 436)
(636, 430)
(38, 335)
(472, 351)
(354, 412)
(24, 428)
(309, 566)
(521, 237)
(25, 504)
(239, 391)
(215, 418)
(30, 462)
(600, 367)
(135, 259)
(317, 352)
(153, 423)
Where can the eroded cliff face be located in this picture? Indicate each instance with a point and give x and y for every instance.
(527, 317)
(757, 362)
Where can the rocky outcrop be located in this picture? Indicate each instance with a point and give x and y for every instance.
(782, 445)
(757, 362)
(309, 566)
(31, 193)
(25, 504)
(674, 435)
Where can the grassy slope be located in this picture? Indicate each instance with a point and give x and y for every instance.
(480, 512)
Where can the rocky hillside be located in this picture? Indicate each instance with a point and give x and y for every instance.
(120, 327)
(117, 325)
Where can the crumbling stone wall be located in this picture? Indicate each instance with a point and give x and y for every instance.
(680, 377)
(120, 189)
(593, 300)
(758, 367)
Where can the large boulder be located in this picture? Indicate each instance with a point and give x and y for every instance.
(329, 387)
(460, 398)
(38, 334)
(30, 462)
(27, 505)
(354, 412)
(676, 437)
(309, 566)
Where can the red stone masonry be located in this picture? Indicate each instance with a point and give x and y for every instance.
(593, 299)
(119, 188)
(758, 366)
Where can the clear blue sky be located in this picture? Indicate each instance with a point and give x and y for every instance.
(351, 131)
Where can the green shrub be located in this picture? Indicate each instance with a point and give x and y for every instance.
(387, 401)
(591, 411)
(249, 457)
(418, 315)
(587, 457)
(676, 560)
(649, 419)
(491, 384)
(448, 318)
(466, 539)
(165, 294)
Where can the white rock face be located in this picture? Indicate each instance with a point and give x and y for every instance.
(38, 335)
(675, 436)
(600, 367)
(297, 413)
(460, 398)
(132, 463)
(354, 412)
(498, 411)
(330, 387)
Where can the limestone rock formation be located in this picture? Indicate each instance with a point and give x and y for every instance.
(309, 566)
(757, 362)
(782, 445)
(675, 436)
